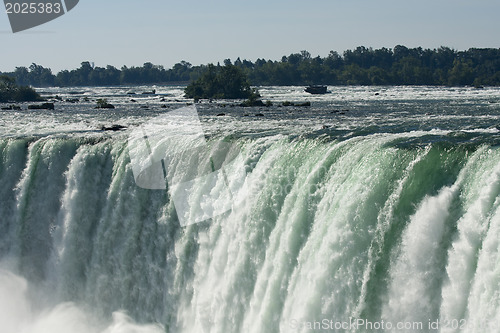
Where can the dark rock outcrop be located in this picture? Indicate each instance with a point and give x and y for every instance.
(113, 127)
(43, 106)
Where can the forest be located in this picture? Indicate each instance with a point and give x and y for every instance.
(400, 65)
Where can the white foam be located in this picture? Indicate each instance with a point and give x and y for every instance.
(18, 313)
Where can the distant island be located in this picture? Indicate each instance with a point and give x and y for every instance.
(363, 66)
(11, 92)
(222, 82)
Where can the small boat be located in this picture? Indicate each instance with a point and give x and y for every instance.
(316, 90)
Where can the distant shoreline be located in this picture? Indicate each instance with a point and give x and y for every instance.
(360, 67)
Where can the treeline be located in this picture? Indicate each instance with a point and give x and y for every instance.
(362, 66)
(398, 66)
(89, 75)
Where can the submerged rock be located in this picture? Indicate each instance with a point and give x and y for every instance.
(12, 107)
(250, 102)
(114, 127)
(105, 106)
(43, 106)
(288, 103)
(102, 103)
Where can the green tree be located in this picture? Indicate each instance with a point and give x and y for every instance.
(22, 75)
(7, 87)
(404, 70)
(461, 73)
(355, 75)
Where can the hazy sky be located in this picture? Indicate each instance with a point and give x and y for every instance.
(165, 32)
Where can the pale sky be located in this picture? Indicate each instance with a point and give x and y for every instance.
(201, 31)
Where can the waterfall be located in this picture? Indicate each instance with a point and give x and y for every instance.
(333, 235)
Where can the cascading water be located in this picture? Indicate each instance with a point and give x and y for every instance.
(391, 227)
(328, 231)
